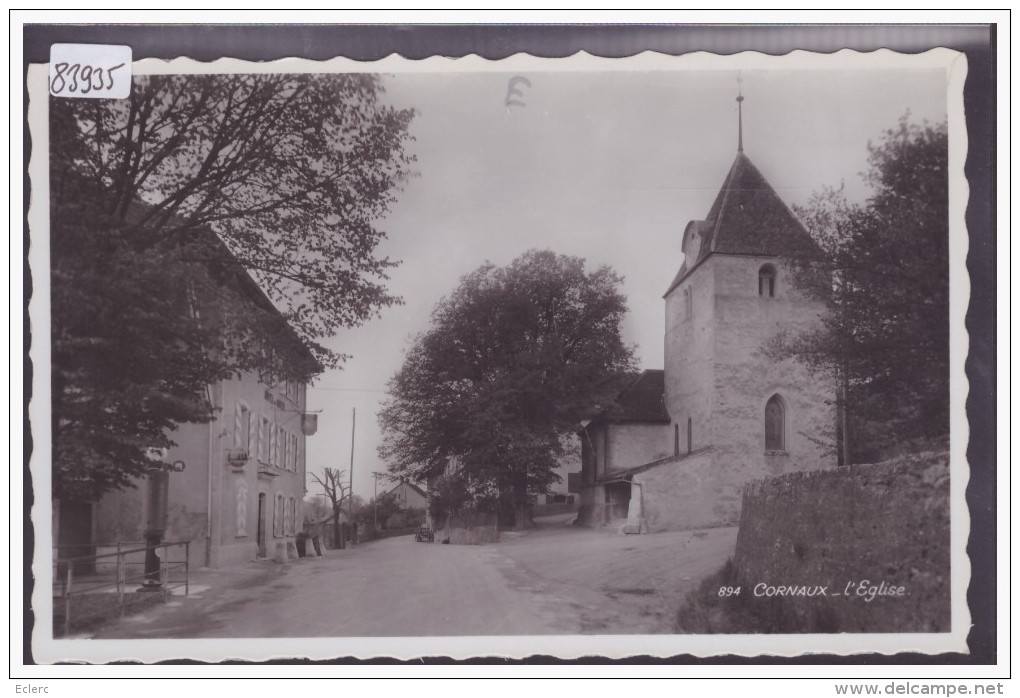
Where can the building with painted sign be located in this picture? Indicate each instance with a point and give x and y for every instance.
(235, 484)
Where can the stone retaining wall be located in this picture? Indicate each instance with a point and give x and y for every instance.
(688, 493)
(877, 530)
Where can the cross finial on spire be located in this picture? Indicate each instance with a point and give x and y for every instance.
(740, 115)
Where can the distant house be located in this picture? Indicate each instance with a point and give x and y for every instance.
(408, 495)
(403, 506)
(560, 494)
(240, 493)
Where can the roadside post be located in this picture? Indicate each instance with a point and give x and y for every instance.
(157, 486)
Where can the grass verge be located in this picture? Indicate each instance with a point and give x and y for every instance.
(90, 611)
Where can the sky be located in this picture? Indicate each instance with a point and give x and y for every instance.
(608, 166)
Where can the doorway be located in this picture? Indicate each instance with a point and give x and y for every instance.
(262, 524)
(617, 501)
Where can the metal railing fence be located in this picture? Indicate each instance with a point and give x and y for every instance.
(90, 587)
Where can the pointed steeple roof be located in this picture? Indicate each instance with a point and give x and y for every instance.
(747, 218)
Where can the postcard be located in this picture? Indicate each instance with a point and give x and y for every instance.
(645, 356)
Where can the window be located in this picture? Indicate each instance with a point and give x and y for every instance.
(690, 436)
(775, 424)
(242, 509)
(278, 515)
(262, 439)
(676, 439)
(242, 426)
(254, 423)
(767, 281)
(688, 304)
(293, 516)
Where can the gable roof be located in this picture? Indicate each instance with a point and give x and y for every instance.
(228, 270)
(641, 401)
(410, 485)
(747, 218)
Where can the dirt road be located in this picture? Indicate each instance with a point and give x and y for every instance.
(554, 580)
(618, 584)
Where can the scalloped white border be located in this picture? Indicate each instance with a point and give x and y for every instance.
(46, 649)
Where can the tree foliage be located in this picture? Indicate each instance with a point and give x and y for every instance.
(885, 278)
(204, 227)
(514, 358)
(448, 496)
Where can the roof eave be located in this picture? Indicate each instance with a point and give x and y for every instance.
(680, 279)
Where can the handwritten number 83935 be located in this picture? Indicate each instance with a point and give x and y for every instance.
(75, 78)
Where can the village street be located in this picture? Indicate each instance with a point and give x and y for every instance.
(555, 579)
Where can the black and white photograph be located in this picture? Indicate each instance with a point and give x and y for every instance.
(651, 356)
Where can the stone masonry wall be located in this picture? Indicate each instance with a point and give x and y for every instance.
(745, 378)
(686, 492)
(853, 530)
(689, 358)
(718, 376)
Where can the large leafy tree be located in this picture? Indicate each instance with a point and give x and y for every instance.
(514, 358)
(885, 278)
(203, 227)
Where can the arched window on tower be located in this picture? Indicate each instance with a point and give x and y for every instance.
(690, 436)
(775, 424)
(767, 281)
(676, 439)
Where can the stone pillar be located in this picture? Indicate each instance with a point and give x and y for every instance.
(280, 552)
(636, 510)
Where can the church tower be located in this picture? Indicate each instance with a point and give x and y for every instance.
(744, 414)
